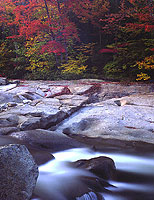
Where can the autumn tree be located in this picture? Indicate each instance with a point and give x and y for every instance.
(44, 34)
(134, 40)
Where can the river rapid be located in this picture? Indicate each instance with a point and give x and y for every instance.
(134, 180)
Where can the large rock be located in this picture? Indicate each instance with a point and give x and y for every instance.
(18, 173)
(102, 166)
(131, 122)
(40, 156)
(41, 113)
(46, 140)
(27, 117)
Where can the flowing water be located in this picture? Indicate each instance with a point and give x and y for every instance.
(58, 180)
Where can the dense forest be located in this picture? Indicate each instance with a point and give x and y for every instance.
(72, 39)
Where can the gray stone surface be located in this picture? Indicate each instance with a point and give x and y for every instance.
(132, 122)
(18, 173)
(101, 109)
(79, 89)
(8, 130)
(49, 140)
(6, 97)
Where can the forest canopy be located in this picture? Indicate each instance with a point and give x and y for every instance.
(69, 39)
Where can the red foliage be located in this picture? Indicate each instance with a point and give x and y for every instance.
(108, 51)
(53, 47)
(122, 45)
(149, 28)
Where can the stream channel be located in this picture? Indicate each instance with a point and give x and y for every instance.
(134, 177)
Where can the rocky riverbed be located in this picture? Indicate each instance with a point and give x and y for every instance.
(51, 116)
(93, 108)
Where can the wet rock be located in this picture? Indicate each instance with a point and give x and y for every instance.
(18, 173)
(102, 166)
(41, 157)
(46, 140)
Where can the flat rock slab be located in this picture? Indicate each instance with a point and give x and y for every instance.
(18, 173)
(46, 140)
(131, 122)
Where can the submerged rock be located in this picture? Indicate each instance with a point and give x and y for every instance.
(18, 173)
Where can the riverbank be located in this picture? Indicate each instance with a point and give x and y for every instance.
(92, 108)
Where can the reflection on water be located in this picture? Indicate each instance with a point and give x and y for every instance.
(58, 180)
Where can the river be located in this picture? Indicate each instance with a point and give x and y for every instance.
(134, 179)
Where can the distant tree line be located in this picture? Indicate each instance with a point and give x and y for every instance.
(69, 39)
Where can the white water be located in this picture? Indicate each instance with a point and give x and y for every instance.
(58, 179)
